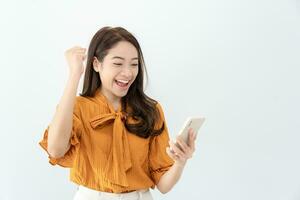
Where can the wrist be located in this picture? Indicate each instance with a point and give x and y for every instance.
(180, 164)
(74, 76)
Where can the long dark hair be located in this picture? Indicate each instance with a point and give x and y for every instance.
(138, 106)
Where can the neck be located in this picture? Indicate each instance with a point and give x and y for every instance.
(114, 100)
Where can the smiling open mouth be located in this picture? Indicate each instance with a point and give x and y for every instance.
(122, 83)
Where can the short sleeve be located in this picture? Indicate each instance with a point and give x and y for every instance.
(159, 160)
(68, 158)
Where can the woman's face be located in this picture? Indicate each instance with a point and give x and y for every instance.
(118, 70)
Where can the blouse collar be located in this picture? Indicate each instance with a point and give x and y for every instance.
(101, 97)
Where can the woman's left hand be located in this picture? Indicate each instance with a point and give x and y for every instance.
(181, 152)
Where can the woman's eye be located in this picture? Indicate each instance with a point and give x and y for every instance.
(118, 64)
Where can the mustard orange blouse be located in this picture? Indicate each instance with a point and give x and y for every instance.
(104, 156)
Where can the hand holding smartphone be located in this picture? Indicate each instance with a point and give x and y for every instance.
(192, 122)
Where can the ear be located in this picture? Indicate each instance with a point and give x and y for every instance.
(96, 64)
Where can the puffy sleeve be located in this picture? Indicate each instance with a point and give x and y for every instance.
(68, 158)
(159, 161)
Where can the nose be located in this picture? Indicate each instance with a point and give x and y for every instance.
(127, 72)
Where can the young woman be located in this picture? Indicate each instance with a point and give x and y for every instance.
(113, 137)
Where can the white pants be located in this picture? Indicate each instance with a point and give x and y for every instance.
(84, 193)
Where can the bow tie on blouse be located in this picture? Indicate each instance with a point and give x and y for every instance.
(119, 160)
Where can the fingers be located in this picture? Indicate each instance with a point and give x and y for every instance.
(78, 48)
(192, 138)
(184, 147)
(80, 52)
(172, 154)
(181, 151)
(177, 150)
(75, 57)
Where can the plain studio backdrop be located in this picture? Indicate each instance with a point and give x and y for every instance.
(234, 62)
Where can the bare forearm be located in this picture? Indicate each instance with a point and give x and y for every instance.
(61, 124)
(180, 153)
(170, 178)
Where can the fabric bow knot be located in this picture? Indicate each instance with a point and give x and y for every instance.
(119, 159)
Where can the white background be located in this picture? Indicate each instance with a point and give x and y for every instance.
(236, 62)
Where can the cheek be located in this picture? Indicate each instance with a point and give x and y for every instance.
(106, 79)
(135, 72)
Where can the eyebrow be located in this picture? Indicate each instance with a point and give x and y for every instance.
(123, 58)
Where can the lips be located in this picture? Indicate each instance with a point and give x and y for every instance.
(122, 83)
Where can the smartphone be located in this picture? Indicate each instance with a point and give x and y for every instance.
(192, 122)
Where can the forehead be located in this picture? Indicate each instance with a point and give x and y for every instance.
(123, 49)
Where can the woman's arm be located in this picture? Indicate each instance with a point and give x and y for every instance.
(180, 156)
(60, 127)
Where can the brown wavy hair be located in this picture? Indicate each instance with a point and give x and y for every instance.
(136, 104)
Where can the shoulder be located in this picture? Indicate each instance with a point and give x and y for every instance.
(89, 107)
(83, 104)
(81, 101)
(160, 112)
(159, 108)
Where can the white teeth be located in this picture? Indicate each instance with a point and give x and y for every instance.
(122, 81)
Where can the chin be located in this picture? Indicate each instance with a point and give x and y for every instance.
(121, 94)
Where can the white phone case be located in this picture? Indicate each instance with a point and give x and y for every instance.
(192, 122)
